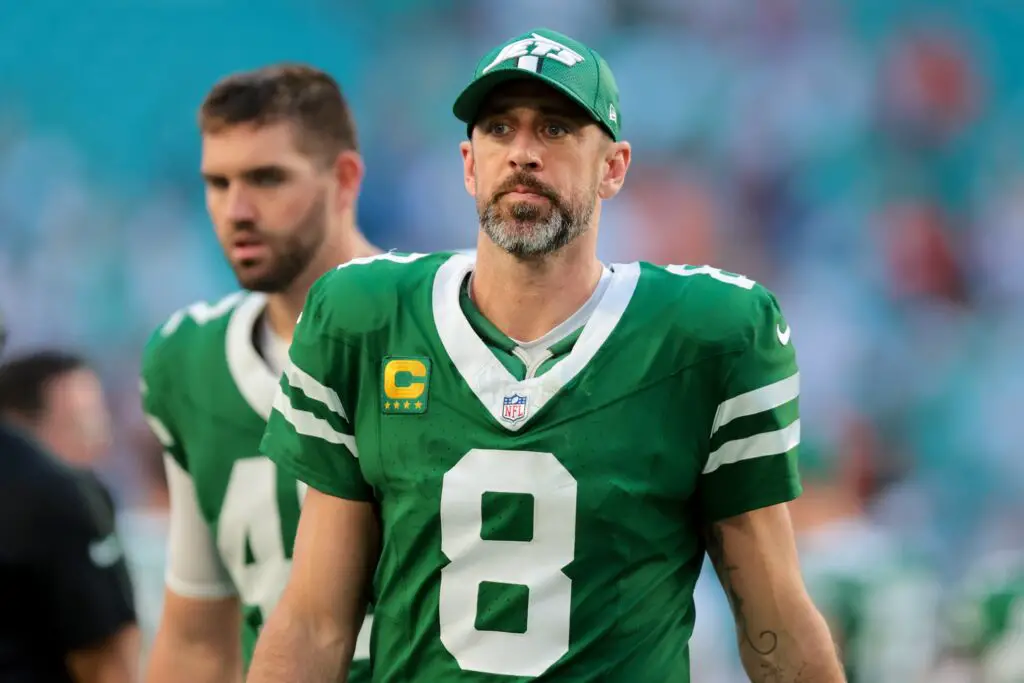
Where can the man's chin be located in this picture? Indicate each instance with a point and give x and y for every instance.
(527, 215)
(258, 278)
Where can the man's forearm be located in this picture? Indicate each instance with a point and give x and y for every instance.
(174, 660)
(297, 651)
(795, 649)
(782, 636)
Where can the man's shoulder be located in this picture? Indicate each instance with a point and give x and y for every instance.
(193, 332)
(389, 272)
(706, 303)
(25, 461)
(366, 294)
(35, 485)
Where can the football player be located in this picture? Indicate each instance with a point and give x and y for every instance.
(529, 452)
(282, 171)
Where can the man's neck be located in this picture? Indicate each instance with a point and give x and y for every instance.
(283, 308)
(526, 299)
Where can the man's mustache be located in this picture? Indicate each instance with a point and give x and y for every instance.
(530, 183)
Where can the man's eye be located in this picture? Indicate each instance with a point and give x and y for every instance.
(268, 178)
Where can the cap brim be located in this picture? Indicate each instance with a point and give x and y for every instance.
(467, 104)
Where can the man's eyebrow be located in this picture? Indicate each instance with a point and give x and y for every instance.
(269, 168)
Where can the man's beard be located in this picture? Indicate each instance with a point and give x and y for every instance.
(523, 230)
(289, 254)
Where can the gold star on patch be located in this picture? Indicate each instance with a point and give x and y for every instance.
(407, 405)
(387, 405)
(419, 405)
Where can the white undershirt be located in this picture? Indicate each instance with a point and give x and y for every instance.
(272, 346)
(534, 353)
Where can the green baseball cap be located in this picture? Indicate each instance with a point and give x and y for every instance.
(565, 64)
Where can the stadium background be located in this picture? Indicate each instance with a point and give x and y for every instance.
(862, 159)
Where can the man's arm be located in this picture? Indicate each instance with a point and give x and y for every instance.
(311, 634)
(197, 641)
(89, 591)
(115, 660)
(198, 638)
(311, 435)
(782, 636)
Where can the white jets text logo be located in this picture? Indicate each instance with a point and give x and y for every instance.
(529, 51)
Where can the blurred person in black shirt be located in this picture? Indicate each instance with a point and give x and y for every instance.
(66, 609)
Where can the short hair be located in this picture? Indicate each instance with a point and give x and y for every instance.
(297, 93)
(24, 380)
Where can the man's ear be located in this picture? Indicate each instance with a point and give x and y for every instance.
(468, 167)
(616, 165)
(348, 171)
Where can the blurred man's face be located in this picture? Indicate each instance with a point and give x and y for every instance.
(75, 422)
(268, 202)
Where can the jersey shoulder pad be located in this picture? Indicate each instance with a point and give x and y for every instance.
(191, 332)
(365, 294)
(713, 305)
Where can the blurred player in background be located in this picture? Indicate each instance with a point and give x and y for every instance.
(282, 170)
(878, 593)
(529, 452)
(66, 608)
(984, 639)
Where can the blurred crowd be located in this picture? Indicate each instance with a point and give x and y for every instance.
(862, 160)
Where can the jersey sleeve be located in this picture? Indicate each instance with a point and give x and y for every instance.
(310, 433)
(752, 455)
(154, 391)
(194, 566)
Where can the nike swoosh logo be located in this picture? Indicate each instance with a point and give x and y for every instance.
(783, 334)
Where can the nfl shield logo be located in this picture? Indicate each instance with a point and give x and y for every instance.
(513, 408)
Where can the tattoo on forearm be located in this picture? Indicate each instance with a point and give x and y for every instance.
(765, 659)
(775, 673)
(767, 641)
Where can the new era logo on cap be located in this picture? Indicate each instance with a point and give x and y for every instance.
(529, 52)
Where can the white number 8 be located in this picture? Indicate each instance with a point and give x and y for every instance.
(536, 564)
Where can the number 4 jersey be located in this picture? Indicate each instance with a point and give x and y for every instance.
(540, 503)
(207, 393)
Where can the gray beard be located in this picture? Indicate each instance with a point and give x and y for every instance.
(524, 235)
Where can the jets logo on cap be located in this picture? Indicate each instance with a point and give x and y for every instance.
(529, 51)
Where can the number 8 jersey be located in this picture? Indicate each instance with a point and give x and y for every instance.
(541, 504)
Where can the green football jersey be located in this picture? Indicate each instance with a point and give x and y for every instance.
(881, 601)
(987, 620)
(207, 393)
(539, 522)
